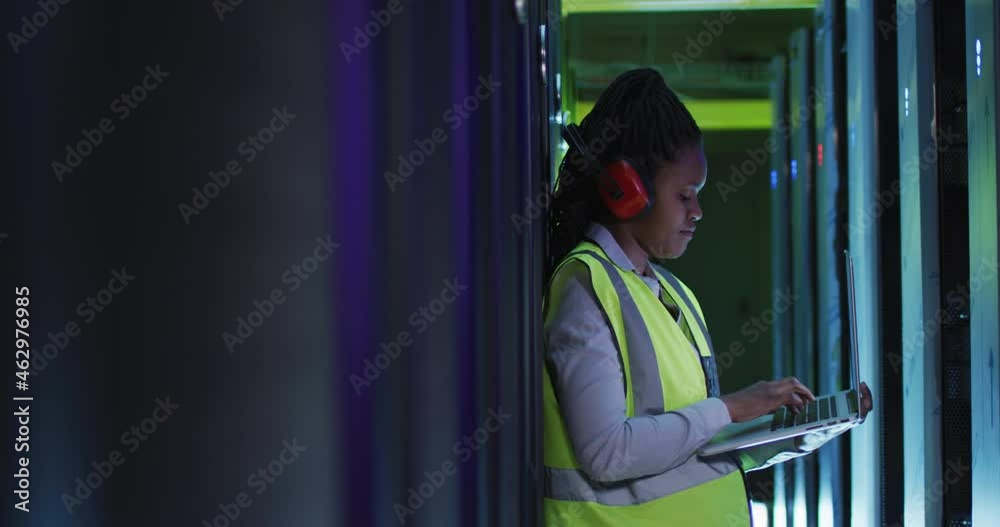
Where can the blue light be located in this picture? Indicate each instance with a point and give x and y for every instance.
(774, 179)
(825, 508)
(979, 58)
(795, 169)
(801, 513)
(759, 512)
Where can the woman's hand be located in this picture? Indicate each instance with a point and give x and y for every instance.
(867, 403)
(814, 440)
(765, 397)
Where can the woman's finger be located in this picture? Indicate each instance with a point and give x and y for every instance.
(795, 402)
(794, 385)
(866, 400)
(798, 387)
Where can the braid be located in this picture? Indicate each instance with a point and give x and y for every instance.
(655, 127)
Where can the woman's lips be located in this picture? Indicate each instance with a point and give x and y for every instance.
(689, 234)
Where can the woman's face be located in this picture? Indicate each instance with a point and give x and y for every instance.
(670, 225)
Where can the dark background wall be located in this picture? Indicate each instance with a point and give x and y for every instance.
(322, 176)
(727, 265)
(161, 337)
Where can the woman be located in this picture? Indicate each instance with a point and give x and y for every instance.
(630, 390)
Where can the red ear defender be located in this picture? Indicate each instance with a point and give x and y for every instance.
(621, 186)
(623, 191)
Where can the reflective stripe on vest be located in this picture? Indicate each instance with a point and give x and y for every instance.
(574, 485)
(646, 389)
(646, 367)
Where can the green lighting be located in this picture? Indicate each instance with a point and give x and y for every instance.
(632, 6)
(713, 114)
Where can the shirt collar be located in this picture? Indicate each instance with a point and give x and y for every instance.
(600, 235)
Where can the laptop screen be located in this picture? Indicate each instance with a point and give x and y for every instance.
(852, 322)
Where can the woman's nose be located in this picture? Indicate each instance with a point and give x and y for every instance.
(695, 210)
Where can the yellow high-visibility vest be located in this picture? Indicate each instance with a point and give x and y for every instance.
(661, 374)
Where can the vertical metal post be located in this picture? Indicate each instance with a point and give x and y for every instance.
(920, 362)
(981, 81)
(801, 104)
(830, 240)
(781, 336)
(863, 236)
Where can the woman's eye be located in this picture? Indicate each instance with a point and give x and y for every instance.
(684, 198)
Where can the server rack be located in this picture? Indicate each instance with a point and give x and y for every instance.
(830, 241)
(780, 262)
(953, 188)
(802, 100)
(919, 363)
(981, 46)
(863, 164)
(890, 416)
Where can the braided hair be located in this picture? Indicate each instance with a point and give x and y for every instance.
(652, 127)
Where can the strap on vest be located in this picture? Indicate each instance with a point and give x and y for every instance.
(567, 484)
(646, 388)
(708, 364)
(676, 285)
(630, 313)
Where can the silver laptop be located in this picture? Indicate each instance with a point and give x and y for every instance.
(839, 410)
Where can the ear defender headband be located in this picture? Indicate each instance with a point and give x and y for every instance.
(622, 188)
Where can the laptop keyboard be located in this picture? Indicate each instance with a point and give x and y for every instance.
(821, 409)
(852, 401)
